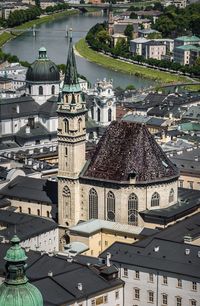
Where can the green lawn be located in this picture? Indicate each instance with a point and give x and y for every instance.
(118, 65)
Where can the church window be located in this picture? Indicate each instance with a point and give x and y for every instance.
(20, 209)
(38, 212)
(93, 204)
(133, 209)
(66, 125)
(171, 195)
(98, 115)
(66, 202)
(48, 214)
(110, 114)
(40, 90)
(29, 211)
(79, 124)
(155, 199)
(110, 206)
(53, 90)
(66, 151)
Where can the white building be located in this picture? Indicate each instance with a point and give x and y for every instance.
(103, 108)
(158, 272)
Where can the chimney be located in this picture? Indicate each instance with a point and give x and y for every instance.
(80, 286)
(50, 273)
(28, 129)
(108, 256)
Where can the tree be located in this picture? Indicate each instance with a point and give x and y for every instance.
(133, 15)
(130, 87)
(129, 31)
(195, 25)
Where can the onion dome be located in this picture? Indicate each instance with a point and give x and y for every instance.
(16, 290)
(43, 70)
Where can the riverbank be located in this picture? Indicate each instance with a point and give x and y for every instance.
(118, 65)
(6, 36)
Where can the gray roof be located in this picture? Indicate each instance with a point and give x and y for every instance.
(18, 107)
(187, 160)
(188, 202)
(28, 188)
(193, 113)
(27, 226)
(158, 255)
(49, 108)
(189, 227)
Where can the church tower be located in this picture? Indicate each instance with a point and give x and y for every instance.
(71, 143)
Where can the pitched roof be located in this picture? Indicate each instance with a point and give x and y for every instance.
(27, 226)
(128, 149)
(32, 189)
(159, 255)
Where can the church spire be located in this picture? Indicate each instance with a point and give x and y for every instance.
(71, 75)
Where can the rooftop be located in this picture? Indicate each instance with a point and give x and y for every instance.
(127, 150)
(94, 225)
(27, 226)
(158, 255)
(32, 189)
(188, 38)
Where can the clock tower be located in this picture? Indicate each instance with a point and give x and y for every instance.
(71, 143)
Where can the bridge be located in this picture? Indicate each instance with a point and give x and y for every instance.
(105, 6)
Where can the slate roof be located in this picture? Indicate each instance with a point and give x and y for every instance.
(8, 107)
(49, 108)
(190, 226)
(170, 257)
(61, 288)
(188, 202)
(27, 226)
(128, 149)
(28, 188)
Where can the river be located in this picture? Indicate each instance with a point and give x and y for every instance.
(52, 36)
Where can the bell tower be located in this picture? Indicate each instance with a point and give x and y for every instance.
(71, 143)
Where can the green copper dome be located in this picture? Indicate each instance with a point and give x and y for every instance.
(43, 70)
(21, 295)
(16, 290)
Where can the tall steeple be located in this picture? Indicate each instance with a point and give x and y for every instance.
(71, 75)
(16, 290)
(71, 142)
(110, 19)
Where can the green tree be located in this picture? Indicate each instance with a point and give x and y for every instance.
(37, 3)
(129, 31)
(130, 87)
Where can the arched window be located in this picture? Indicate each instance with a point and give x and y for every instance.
(79, 124)
(93, 204)
(155, 199)
(171, 195)
(29, 211)
(40, 90)
(66, 202)
(48, 214)
(53, 90)
(98, 115)
(110, 114)
(38, 212)
(66, 125)
(133, 209)
(110, 206)
(20, 209)
(66, 151)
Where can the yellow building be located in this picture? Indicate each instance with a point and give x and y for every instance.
(98, 234)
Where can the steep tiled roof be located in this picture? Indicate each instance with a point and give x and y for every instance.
(128, 149)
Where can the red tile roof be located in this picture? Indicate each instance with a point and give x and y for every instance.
(128, 149)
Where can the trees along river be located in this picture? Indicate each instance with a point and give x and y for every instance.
(52, 35)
